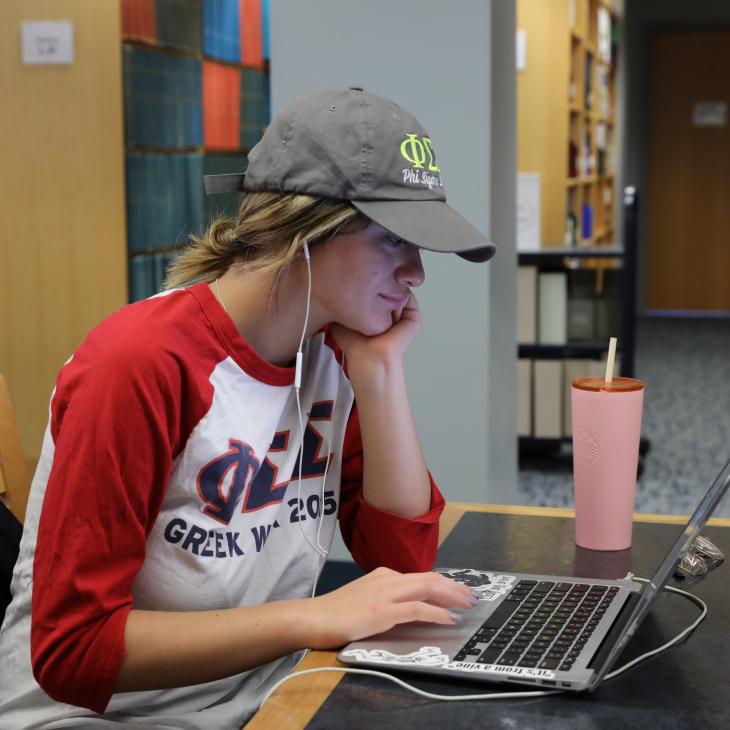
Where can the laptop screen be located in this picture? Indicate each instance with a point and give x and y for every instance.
(662, 575)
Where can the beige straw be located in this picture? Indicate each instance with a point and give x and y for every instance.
(611, 359)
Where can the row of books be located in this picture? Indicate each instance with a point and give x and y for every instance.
(235, 106)
(544, 394)
(234, 30)
(603, 137)
(586, 219)
(581, 159)
(166, 199)
(608, 37)
(603, 22)
(228, 30)
(147, 274)
(572, 229)
(557, 307)
(180, 101)
(604, 91)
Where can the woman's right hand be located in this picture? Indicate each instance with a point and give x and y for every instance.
(178, 648)
(380, 600)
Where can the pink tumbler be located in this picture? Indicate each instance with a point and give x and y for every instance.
(606, 431)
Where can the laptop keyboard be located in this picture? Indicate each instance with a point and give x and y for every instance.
(540, 624)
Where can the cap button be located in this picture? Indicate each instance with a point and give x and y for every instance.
(356, 88)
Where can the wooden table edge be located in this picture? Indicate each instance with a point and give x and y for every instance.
(294, 704)
(459, 508)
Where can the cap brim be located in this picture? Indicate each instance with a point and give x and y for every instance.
(429, 224)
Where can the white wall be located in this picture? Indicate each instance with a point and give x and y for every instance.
(436, 59)
(502, 311)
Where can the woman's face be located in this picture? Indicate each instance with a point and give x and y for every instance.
(362, 279)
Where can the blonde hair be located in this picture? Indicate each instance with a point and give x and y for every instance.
(266, 235)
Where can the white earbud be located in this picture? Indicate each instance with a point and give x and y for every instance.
(298, 367)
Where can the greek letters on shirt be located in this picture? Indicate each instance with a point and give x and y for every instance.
(251, 486)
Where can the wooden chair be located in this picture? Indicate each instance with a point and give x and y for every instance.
(14, 487)
(14, 482)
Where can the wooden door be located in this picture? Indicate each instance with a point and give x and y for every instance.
(687, 264)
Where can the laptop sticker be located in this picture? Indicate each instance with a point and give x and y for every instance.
(490, 585)
(427, 656)
(432, 656)
(500, 669)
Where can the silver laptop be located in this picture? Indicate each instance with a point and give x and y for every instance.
(555, 631)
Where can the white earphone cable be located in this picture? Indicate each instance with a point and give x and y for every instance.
(297, 385)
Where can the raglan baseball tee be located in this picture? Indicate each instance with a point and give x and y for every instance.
(169, 480)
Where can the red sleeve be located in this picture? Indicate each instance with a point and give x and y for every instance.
(378, 538)
(116, 425)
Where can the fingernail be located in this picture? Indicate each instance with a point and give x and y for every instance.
(455, 617)
(473, 600)
(476, 594)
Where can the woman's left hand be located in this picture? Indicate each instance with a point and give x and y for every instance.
(387, 347)
(395, 478)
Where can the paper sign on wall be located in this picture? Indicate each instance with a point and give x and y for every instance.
(709, 114)
(521, 50)
(528, 211)
(47, 42)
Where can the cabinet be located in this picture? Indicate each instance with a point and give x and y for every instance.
(566, 105)
(62, 245)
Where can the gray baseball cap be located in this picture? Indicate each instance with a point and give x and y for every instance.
(357, 146)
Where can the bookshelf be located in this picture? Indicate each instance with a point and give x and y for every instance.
(196, 100)
(551, 366)
(577, 283)
(566, 101)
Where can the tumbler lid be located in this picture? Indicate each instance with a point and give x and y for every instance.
(617, 385)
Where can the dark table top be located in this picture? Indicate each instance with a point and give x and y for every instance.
(682, 688)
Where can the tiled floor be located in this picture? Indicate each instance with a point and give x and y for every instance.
(685, 364)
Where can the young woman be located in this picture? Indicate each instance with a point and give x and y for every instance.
(203, 443)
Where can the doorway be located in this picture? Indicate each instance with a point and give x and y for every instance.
(688, 172)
